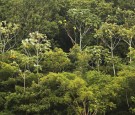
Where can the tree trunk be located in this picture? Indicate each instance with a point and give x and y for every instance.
(24, 85)
(112, 56)
(80, 42)
(98, 65)
(37, 62)
(130, 46)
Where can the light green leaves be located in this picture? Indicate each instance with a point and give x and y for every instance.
(8, 32)
(83, 16)
(56, 60)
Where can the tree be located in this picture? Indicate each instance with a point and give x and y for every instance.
(8, 32)
(34, 47)
(128, 35)
(83, 22)
(7, 74)
(79, 60)
(99, 56)
(56, 61)
(109, 34)
(128, 85)
(102, 86)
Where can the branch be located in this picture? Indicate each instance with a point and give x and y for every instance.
(85, 31)
(106, 43)
(116, 44)
(73, 42)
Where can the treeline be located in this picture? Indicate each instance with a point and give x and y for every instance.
(67, 57)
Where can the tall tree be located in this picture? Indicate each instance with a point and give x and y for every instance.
(8, 32)
(34, 47)
(109, 34)
(83, 22)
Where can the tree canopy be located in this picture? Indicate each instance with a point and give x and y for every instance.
(67, 57)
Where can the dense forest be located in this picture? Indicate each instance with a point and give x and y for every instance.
(67, 57)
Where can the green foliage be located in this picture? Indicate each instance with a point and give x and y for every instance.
(34, 47)
(103, 86)
(56, 60)
(98, 56)
(83, 21)
(94, 77)
(7, 70)
(79, 59)
(8, 33)
(83, 16)
(32, 15)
